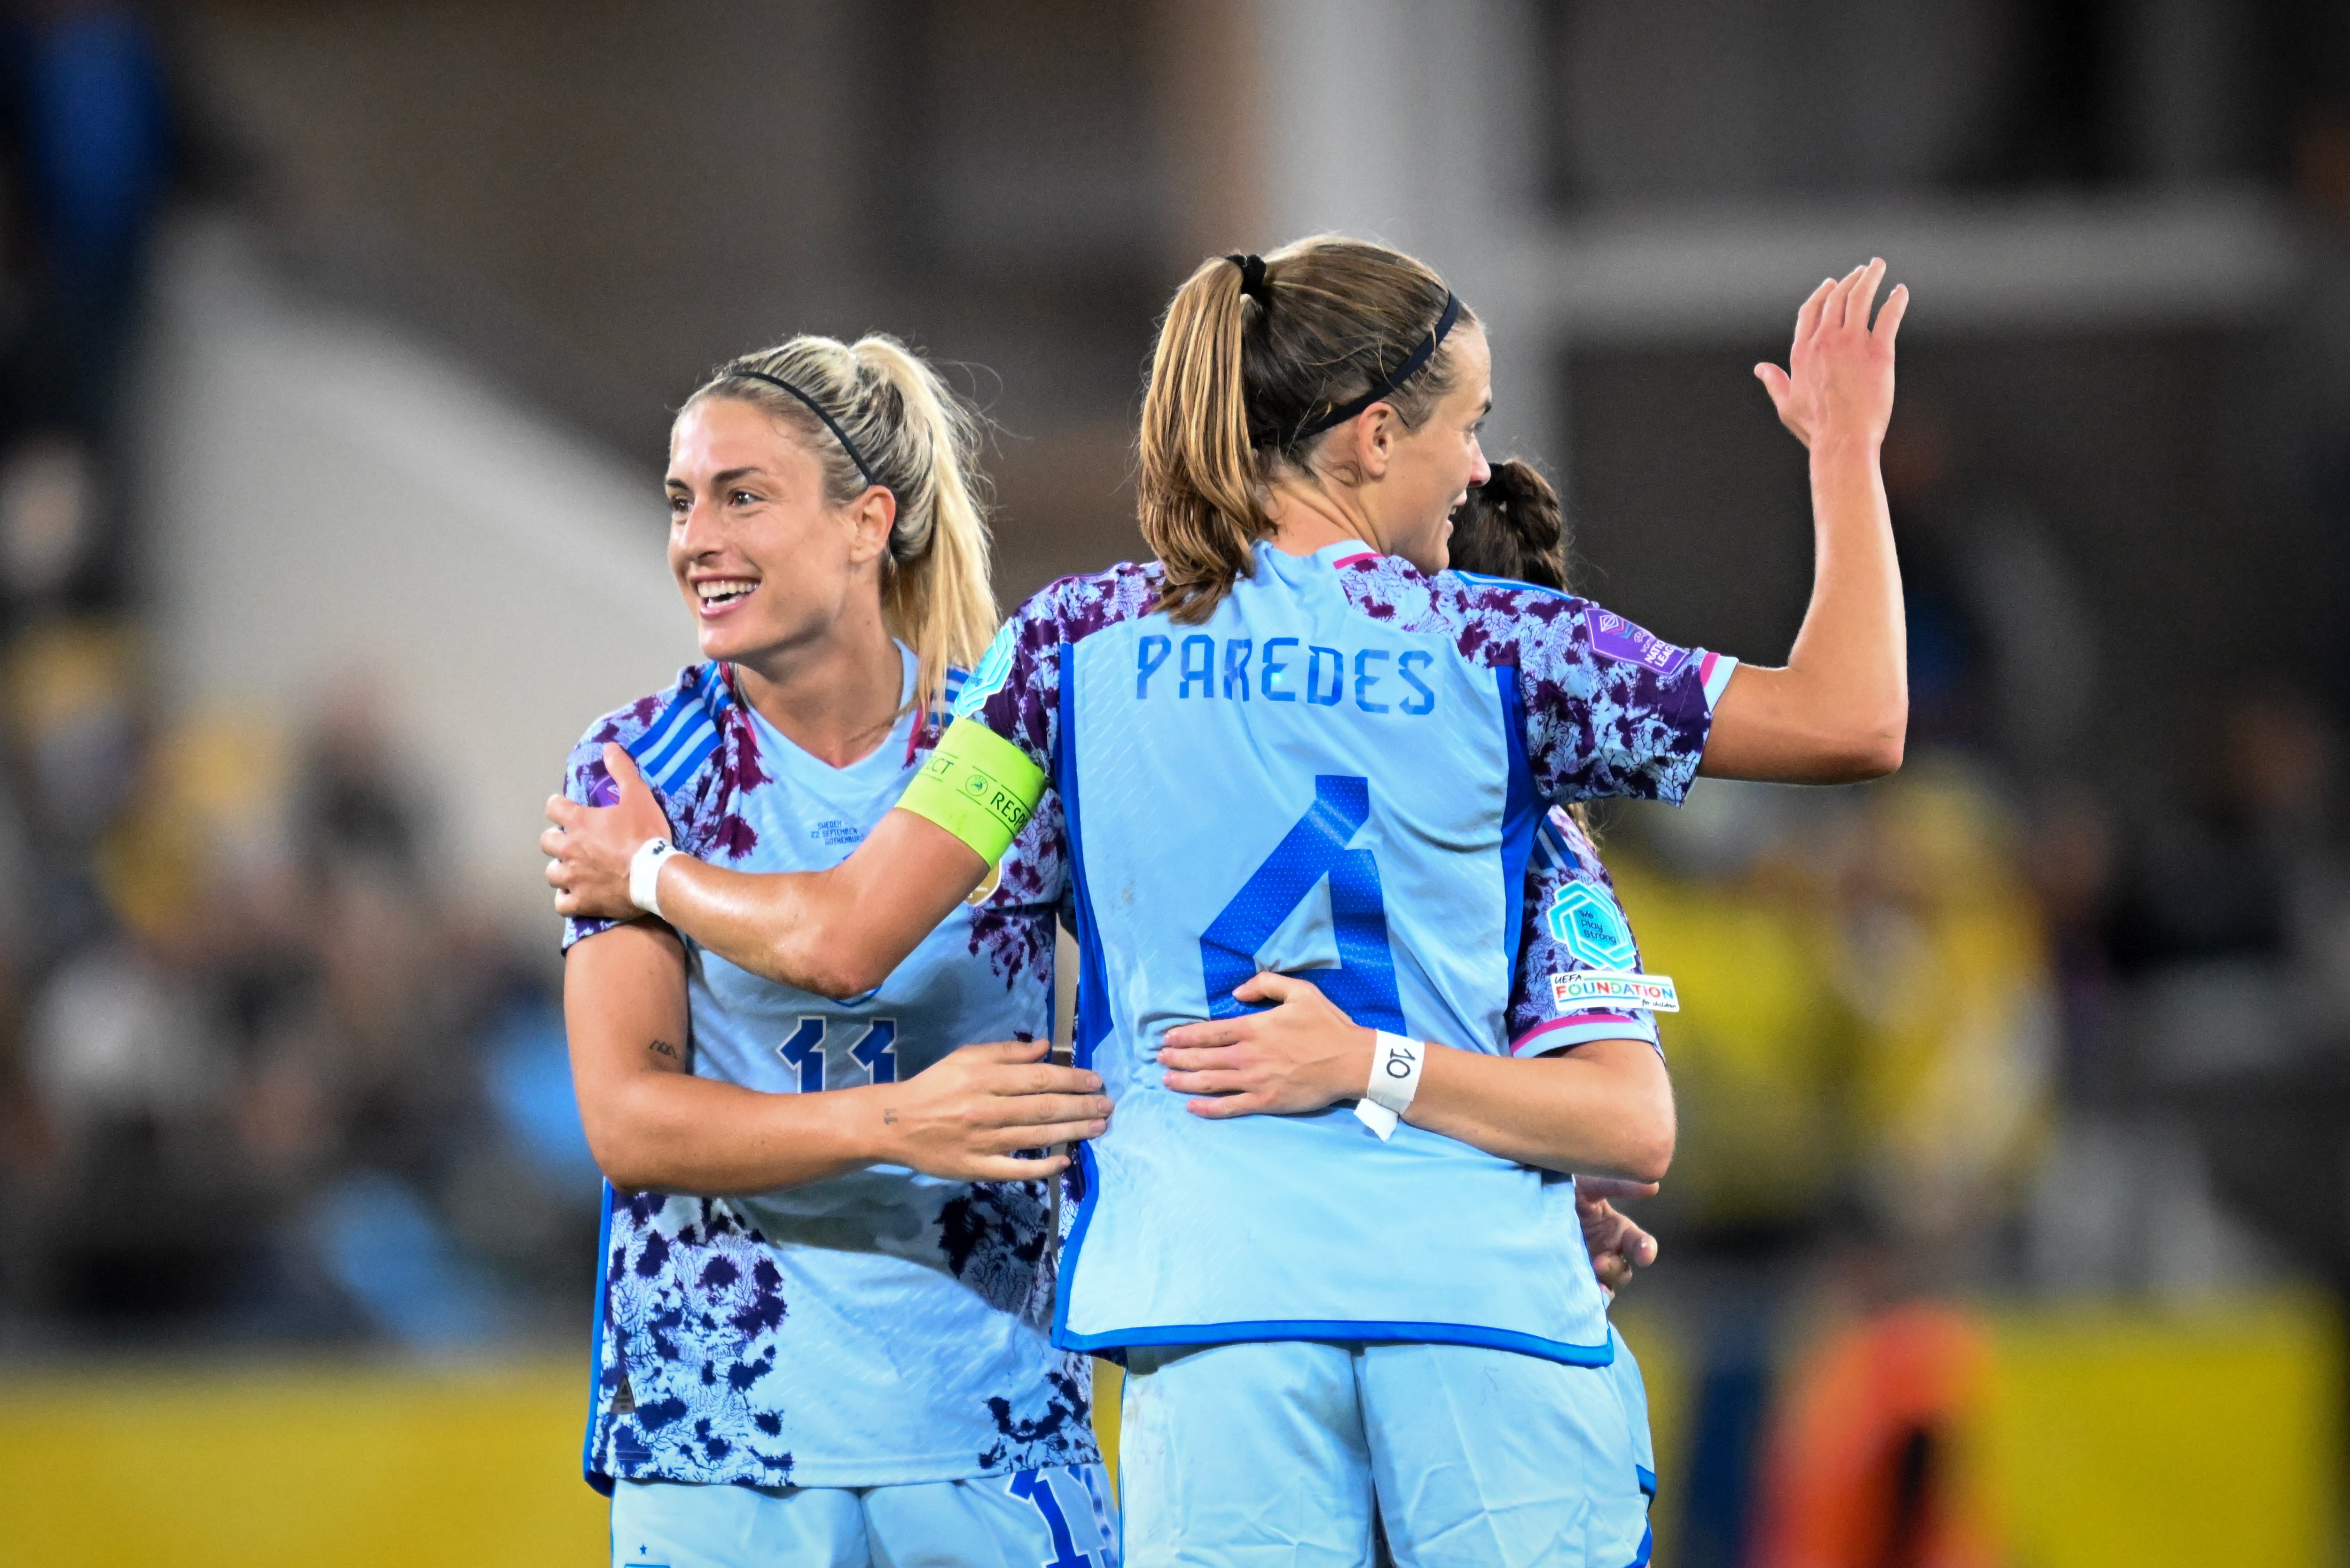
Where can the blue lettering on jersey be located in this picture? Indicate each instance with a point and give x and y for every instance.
(876, 1050)
(804, 1050)
(1034, 1486)
(1199, 665)
(1364, 983)
(1405, 664)
(1196, 669)
(1149, 655)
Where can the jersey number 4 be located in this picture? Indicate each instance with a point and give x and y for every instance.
(876, 1050)
(1364, 983)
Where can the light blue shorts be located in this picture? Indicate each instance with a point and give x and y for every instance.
(1034, 1518)
(1235, 1455)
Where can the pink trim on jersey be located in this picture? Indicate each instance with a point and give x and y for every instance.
(1357, 555)
(1572, 1020)
(1705, 669)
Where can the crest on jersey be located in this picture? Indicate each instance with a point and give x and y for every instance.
(1615, 637)
(1588, 923)
(994, 669)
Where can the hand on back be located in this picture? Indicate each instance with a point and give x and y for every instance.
(1838, 383)
(1300, 1054)
(967, 1116)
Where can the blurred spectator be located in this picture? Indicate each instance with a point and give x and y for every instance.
(94, 126)
(2227, 918)
(1944, 960)
(1726, 898)
(2003, 651)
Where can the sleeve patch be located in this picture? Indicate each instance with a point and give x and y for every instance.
(994, 668)
(1586, 988)
(1615, 638)
(977, 786)
(1586, 921)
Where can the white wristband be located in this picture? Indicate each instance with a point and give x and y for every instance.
(1396, 1064)
(644, 874)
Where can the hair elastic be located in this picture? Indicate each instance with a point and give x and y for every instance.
(818, 410)
(1385, 387)
(1252, 268)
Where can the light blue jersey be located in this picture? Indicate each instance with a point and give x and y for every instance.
(1340, 773)
(883, 1328)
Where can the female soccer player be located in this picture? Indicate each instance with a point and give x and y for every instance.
(839, 1351)
(1280, 749)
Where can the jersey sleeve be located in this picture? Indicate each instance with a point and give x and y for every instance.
(995, 762)
(678, 737)
(1610, 708)
(586, 782)
(989, 770)
(1580, 974)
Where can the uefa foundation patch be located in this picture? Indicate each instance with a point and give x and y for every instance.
(1585, 987)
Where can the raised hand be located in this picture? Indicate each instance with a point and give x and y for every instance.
(1300, 1054)
(588, 847)
(964, 1115)
(1838, 383)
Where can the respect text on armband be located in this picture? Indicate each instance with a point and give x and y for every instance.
(1283, 670)
(982, 790)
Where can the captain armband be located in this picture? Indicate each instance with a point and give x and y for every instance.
(978, 787)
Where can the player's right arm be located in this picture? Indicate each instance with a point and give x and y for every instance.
(836, 933)
(839, 933)
(652, 1124)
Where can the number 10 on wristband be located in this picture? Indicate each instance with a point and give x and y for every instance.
(1396, 1065)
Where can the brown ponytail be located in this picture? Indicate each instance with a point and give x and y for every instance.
(1511, 527)
(1240, 383)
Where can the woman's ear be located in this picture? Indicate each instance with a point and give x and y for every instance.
(1376, 434)
(870, 518)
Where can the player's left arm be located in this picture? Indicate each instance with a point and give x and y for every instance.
(1604, 1107)
(1838, 712)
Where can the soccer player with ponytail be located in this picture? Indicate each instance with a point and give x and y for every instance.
(1334, 1240)
(826, 1282)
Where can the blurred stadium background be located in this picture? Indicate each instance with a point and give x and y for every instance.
(2011, 1220)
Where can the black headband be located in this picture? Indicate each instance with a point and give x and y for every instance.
(1251, 277)
(1385, 387)
(818, 410)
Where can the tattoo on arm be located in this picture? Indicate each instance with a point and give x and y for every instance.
(663, 1048)
(889, 1117)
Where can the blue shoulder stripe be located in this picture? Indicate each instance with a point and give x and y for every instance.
(1483, 581)
(1551, 849)
(685, 735)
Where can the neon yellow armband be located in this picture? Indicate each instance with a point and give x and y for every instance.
(978, 787)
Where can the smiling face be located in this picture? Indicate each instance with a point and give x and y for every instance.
(767, 562)
(1428, 471)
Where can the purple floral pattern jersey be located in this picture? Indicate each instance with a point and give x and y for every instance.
(884, 1327)
(1340, 773)
(1573, 944)
(1609, 709)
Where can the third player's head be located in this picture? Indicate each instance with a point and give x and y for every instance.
(817, 483)
(1332, 366)
(1512, 526)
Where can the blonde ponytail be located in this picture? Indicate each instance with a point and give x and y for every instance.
(939, 597)
(914, 437)
(1201, 495)
(1246, 380)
